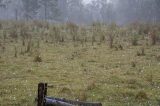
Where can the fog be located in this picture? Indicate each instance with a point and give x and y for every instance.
(81, 11)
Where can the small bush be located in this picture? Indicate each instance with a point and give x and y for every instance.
(133, 64)
(15, 54)
(141, 95)
(38, 59)
(65, 90)
(29, 46)
(134, 41)
(23, 42)
(93, 40)
(150, 78)
(4, 35)
(91, 85)
(138, 53)
(24, 32)
(13, 34)
(82, 96)
(0, 26)
(158, 57)
(73, 30)
(119, 47)
(153, 37)
(111, 38)
(141, 52)
(102, 38)
(55, 34)
(3, 48)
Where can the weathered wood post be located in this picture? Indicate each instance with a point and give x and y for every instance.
(43, 100)
(42, 93)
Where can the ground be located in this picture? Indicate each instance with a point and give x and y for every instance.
(90, 73)
(114, 65)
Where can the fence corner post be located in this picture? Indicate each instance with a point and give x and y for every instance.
(42, 93)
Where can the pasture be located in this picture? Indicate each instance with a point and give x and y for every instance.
(118, 66)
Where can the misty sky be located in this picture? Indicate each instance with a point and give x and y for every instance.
(119, 12)
(87, 1)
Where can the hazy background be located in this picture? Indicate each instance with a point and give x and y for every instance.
(81, 11)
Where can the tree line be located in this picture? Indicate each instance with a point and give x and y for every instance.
(106, 11)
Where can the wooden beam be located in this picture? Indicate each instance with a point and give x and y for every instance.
(42, 93)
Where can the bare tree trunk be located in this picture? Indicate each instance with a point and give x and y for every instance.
(45, 10)
(16, 14)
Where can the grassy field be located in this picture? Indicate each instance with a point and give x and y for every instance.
(122, 75)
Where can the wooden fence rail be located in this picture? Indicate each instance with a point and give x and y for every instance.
(44, 100)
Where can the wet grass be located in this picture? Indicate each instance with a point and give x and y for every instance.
(91, 73)
(78, 63)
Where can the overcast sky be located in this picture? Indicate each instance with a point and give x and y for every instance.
(87, 1)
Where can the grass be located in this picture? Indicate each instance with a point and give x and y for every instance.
(90, 72)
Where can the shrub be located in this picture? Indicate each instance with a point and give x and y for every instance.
(38, 44)
(119, 47)
(158, 57)
(133, 64)
(102, 38)
(65, 90)
(153, 37)
(134, 41)
(83, 31)
(3, 48)
(15, 53)
(141, 95)
(150, 78)
(55, 34)
(13, 33)
(82, 96)
(28, 47)
(141, 52)
(24, 32)
(38, 59)
(0, 26)
(73, 30)
(91, 85)
(4, 35)
(112, 33)
(23, 42)
(111, 38)
(93, 40)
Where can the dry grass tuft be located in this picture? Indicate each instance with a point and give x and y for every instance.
(38, 59)
(141, 95)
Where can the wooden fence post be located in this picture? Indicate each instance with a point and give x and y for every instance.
(42, 92)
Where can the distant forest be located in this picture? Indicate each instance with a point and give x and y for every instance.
(118, 11)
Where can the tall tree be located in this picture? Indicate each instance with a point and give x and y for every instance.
(50, 9)
(30, 8)
(2, 5)
(107, 12)
(75, 10)
(62, 10)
